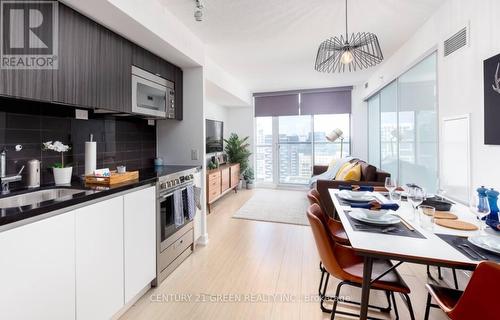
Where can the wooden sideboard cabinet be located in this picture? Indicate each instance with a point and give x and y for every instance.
(221, 181)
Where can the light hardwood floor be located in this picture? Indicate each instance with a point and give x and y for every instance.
(256, 262)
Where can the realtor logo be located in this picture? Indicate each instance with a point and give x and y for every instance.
(29, 34)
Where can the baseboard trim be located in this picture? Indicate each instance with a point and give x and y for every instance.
(202, 240)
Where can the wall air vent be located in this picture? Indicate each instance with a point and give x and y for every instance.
(456, 41)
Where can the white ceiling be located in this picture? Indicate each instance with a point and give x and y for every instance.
(271, 44)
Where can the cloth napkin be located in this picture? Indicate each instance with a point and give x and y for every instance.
(178, 208)
(495, 225)
(357, 188)
(376, 205)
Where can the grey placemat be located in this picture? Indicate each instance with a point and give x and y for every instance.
(399, 228)
(455, 241)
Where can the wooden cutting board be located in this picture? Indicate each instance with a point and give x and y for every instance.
(444, 215)
(455, 224)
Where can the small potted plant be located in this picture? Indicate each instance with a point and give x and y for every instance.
(249, 177)
(62, 174)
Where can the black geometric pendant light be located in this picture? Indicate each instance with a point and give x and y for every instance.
(339, 54)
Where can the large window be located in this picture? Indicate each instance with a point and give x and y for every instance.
(287, 147)
(324, 150)
(403, 126)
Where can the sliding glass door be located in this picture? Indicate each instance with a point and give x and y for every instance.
(403, 132)
(389, 129)
(418, 125)
(264, 155)
(287, 147)
(295, 149)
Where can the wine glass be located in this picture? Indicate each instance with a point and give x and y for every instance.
(390, 185)
(416, 197)
(480, 207)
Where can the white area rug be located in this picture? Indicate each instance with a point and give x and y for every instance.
(283, 206)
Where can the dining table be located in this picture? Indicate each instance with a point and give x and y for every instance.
(424, 246)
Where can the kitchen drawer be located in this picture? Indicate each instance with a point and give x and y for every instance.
(212, 194)
(175, 249)
(214, 185)
(214, 180)
(214, 176)
(171, 267)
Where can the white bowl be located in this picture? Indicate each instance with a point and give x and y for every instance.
(358, 195)
(374, 214)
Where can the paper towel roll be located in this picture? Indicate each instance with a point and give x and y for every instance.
(90, 157)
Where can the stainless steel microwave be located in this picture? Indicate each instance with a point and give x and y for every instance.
(152, 96)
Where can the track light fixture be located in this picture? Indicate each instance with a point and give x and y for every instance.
(198, 13)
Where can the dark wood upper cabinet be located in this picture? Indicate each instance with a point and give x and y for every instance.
(146, 60)
(76, 80)
(178, 93)
(114, 84)
(150, 62)
(94, 69)
(29, 83)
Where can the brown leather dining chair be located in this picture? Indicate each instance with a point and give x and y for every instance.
(478, 301)
(334, 226)
(341, 262)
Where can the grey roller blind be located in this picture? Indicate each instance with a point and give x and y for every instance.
(277, 105)
(326, 102)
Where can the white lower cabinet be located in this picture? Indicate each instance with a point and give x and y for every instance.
(85, 264)
(99, 260)
(37, 270)
(139, 240)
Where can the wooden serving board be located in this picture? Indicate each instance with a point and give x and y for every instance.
(115, 178)
(444, 215)
(456, 224)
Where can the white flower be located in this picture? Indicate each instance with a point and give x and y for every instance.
(56, 146)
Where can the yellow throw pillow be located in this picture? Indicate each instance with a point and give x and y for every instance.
(350, 173)
(341, 170)
(331, 164)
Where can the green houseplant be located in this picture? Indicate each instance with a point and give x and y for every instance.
(249, 177)
(237, 151)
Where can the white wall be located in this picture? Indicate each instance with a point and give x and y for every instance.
(176, 139)
(237, 120)
(241, 121)
(460, 75)
(240, 96)
(359, 124)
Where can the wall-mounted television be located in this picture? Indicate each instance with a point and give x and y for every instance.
(215, 139)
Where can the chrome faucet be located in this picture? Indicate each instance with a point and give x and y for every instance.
(4, 179)
(8, 179)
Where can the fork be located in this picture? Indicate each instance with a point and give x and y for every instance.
(474, 250)
(383, 230)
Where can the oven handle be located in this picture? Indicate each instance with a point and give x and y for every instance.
(171, 193)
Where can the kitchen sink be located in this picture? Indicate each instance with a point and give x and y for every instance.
(35, 197)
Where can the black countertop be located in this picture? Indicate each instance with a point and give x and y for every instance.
(16, 214)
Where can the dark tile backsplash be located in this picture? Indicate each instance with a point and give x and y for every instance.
(126, 141)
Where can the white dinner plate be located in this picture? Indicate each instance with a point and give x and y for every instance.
(490, 243)
(384, 220)
(356, 196)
